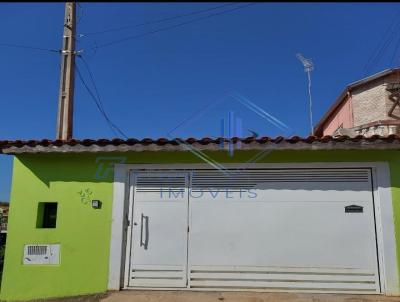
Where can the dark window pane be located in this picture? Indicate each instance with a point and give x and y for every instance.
(47, 215)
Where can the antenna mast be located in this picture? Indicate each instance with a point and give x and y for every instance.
(308, 67)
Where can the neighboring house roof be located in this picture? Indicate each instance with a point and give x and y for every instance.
(163, 144)
(342, 97)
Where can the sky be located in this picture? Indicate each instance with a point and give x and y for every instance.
(181, 78)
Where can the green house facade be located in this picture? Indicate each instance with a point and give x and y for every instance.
(91, 216)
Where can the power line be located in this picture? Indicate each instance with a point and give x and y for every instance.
(374, 58)
(383, 44)
(81, 13)
(160, 20)
(393, 60)
(92, 95)
(29, 47)
(172, 26)
(138, 25)
(378, 46)
(101, 107)
(387, 44)
(93, 81)
(96, 98)
(112, 126)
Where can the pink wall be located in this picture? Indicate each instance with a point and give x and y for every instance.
(342, 115)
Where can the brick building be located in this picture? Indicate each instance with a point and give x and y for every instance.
(368, 107)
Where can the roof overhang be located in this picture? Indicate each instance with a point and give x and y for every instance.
(206, 144)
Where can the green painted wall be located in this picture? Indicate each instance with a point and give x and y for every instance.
(84, 233)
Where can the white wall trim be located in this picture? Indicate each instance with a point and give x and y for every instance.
(388, 268)
(385, 229)
(118, 228)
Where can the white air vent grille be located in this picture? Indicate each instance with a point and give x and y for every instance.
(150, 183)
(41, 254)
(287, 279)
(37, 250)
(247, 179)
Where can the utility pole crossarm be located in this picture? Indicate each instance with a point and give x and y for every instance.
(67, 78)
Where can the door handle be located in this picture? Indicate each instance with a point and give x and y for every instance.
(144, 243)
(353, 209)
(141, 230)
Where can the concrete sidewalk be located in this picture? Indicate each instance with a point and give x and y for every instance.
(193, 296)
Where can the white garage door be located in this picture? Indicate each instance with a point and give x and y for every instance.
(275, 229)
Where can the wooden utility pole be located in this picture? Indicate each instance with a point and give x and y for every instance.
(67, 81)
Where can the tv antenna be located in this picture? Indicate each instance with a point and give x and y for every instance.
(308, 67)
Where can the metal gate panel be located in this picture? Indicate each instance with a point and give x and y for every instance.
(307, 230)
(310, 230)
(159, 232)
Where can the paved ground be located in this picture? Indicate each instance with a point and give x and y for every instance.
(186, 296)
(182, 296)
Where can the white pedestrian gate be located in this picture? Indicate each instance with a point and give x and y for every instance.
(159, 231)
(264, 229)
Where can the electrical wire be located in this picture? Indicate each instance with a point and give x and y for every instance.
(378, 46)
(172, 26)
(29, 47)
(393, 60)
(386, 45)
(112, 126)
(383, 44)
(79, 19)
(160, 20)
(92, 80)
(93, 97)
(97, 100)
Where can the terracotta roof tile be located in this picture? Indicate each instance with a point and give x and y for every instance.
(6, 144)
